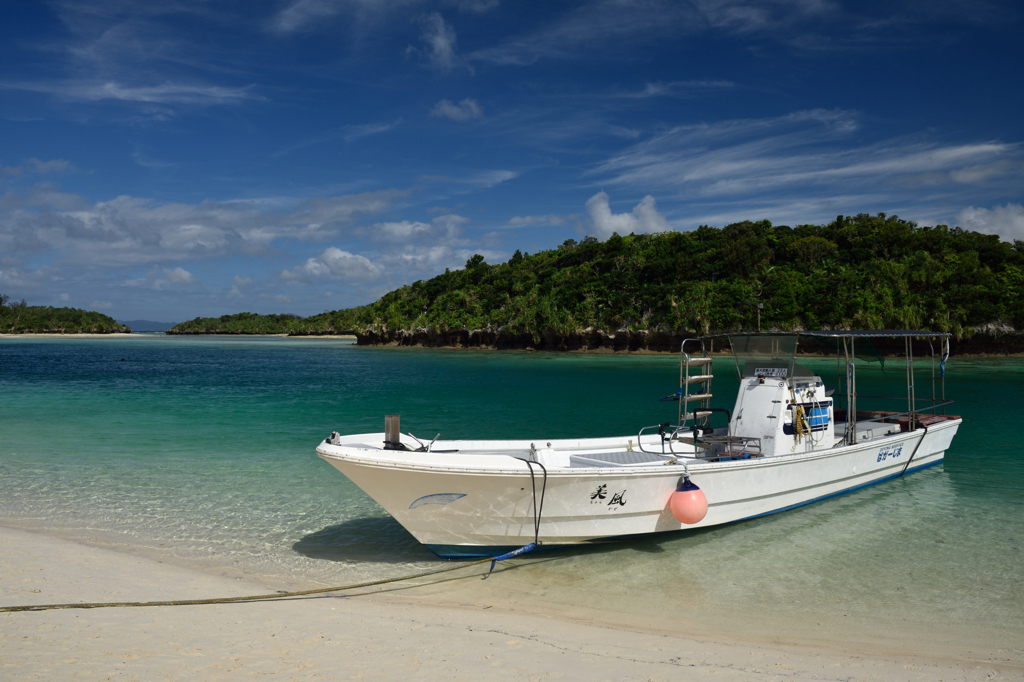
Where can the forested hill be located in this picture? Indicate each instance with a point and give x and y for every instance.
(865, 272)
(19, 318)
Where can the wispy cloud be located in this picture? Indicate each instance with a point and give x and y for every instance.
(439, 38)
(303, 14)
(129, 231)
(165, 278)
(438, 42)
(798, 151)
(536, 220)
(165, 93)
(36, 167)
(348, 133)
(815, 25)
(677, 88)
(484, 179)
(466, 110)
(357, 132)
(442, 228)
(239, 286)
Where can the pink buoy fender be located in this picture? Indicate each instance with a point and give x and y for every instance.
(688, 503)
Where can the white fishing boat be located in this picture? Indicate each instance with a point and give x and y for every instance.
(785, 443)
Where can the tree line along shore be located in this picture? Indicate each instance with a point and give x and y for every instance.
(649, 291)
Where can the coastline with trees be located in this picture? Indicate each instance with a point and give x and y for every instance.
(649, 291)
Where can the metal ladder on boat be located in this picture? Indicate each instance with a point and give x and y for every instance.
(694, 373)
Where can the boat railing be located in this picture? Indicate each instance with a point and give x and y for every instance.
(908, 420)
(664, 431)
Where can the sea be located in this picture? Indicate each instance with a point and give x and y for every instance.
(201, 450)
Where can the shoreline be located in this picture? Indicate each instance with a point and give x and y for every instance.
(455, 624)
(151, 335)
(601, 350)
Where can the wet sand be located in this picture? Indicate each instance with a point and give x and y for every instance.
(379, 633)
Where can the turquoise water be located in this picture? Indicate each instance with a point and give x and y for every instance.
(202, 449)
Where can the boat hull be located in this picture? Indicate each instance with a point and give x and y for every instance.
(464, 506)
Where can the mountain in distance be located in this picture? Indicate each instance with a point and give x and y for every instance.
(147, 325)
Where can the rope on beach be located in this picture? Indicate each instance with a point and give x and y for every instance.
(260, 597)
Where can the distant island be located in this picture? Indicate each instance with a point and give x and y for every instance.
(239, 323)
(20, 318)
(650, 291)
(147, 325)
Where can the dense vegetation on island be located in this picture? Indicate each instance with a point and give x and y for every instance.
(20, 318)
(240, 323)
(865, 272)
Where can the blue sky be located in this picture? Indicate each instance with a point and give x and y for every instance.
(183, 158)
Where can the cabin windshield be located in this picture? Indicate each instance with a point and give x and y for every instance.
(766, 354)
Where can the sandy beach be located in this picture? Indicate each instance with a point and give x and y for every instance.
(374, 634)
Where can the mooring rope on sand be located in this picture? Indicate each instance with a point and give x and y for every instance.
(262, 597)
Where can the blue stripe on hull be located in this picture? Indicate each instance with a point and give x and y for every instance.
(484, 551)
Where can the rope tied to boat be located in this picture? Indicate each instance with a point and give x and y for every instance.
(264, 597)
(508, 555)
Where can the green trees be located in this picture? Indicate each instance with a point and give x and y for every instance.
(864, 271)
(240, 323)
(20, 318)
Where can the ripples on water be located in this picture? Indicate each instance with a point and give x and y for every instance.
(203, 448)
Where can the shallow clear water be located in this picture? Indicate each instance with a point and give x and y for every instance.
(203, 449)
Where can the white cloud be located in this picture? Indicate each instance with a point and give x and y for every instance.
(102, 305)
(334, 263)
(466, 110)
(179, 275)
(644, 218)
(64, 298)
(1006, 221)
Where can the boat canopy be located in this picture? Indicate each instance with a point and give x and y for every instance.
(773, 354)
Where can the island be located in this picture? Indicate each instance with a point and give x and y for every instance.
(20, 318)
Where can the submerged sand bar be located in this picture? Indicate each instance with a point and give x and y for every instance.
(378, 634)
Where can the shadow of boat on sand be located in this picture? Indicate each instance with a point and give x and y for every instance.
(376, 539)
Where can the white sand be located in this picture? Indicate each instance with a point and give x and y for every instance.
(114, 335)
(373, 635)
